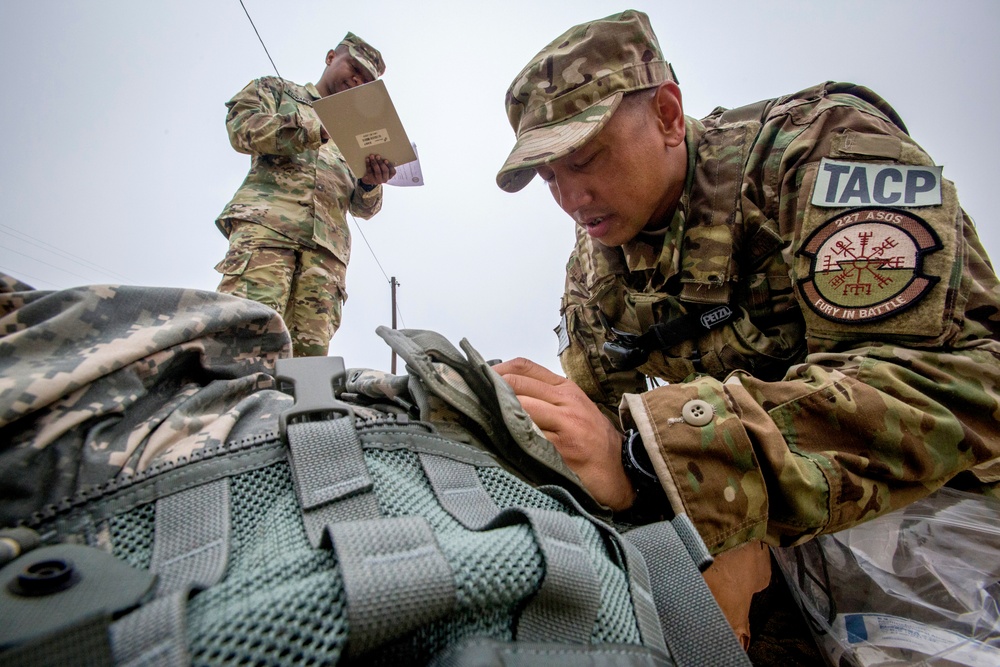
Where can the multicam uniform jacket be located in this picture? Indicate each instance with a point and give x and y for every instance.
(860, 368)
(298, 186)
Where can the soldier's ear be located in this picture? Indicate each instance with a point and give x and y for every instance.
(330, 55)
(670, 112)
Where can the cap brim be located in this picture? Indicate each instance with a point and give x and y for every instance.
(368, 65)
(548, 143)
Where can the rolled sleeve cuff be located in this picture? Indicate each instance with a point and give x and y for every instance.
(704, 459)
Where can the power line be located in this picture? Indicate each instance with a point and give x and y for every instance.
(22, 274)
(259, 37)
(48, 247)
(40, 261)
(357, 226)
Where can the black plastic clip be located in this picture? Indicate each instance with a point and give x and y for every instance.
(624, 350)
(314, 380)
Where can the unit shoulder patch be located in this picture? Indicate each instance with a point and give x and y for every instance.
(866, 265)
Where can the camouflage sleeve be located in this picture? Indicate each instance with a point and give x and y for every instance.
(366, 204)
(105, 381)
(900, 391)
(260, 122)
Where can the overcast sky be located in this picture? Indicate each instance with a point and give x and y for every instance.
(116, 160)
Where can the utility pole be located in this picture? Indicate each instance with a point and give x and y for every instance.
(393, 282)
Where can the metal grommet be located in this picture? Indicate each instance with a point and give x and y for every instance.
(698, 412)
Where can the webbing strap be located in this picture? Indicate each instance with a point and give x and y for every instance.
(395, 578)
(694, 628)
(692, 541)
(459, 490)
(646, 615)
(154, 635)
(191, 541)
(330, 475)
(566, 606)
(191, 538)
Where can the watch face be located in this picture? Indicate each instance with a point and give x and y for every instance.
(635, 459)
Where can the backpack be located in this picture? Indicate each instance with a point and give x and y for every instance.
(380, 519)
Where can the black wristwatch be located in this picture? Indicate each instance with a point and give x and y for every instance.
(651, 503)
(366, 187)
(636, 461)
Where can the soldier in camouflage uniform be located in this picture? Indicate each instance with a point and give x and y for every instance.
(289, 242)
(794, 278)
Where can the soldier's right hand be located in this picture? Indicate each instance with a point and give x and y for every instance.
(587, 441)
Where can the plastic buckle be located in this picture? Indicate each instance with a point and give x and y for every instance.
(623, 350)
(314, 380)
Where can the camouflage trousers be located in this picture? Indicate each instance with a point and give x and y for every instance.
(305, 285)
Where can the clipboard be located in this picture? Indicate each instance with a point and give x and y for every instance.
(362, 121)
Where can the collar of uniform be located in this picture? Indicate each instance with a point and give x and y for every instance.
(661, 249)
(312, 90)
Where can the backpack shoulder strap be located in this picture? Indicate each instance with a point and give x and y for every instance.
(675, 557)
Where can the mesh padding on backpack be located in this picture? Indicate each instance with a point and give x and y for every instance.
(132, 535)
(616, 620)
(282, 602)
(504, 565)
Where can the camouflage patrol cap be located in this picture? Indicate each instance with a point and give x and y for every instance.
(366, 54)
(571, 88)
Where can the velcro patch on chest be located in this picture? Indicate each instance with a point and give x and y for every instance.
(867, 265)
(841, 184)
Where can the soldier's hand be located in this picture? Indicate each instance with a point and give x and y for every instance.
(587, 441)
(377, 170)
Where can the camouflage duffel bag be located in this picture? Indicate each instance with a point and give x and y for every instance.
(378, 519)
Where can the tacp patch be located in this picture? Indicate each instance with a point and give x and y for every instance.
(866, 265)
(840, 184)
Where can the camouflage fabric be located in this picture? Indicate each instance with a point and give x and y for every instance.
(366, 54)
(298, 186)
(105, 381)
(816, 421)
(306, 286)
(571, 87)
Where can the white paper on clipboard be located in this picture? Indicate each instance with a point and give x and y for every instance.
(362, 121)
(409, 174)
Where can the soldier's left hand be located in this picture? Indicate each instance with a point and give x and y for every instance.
(587, 441)
(378, 170)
